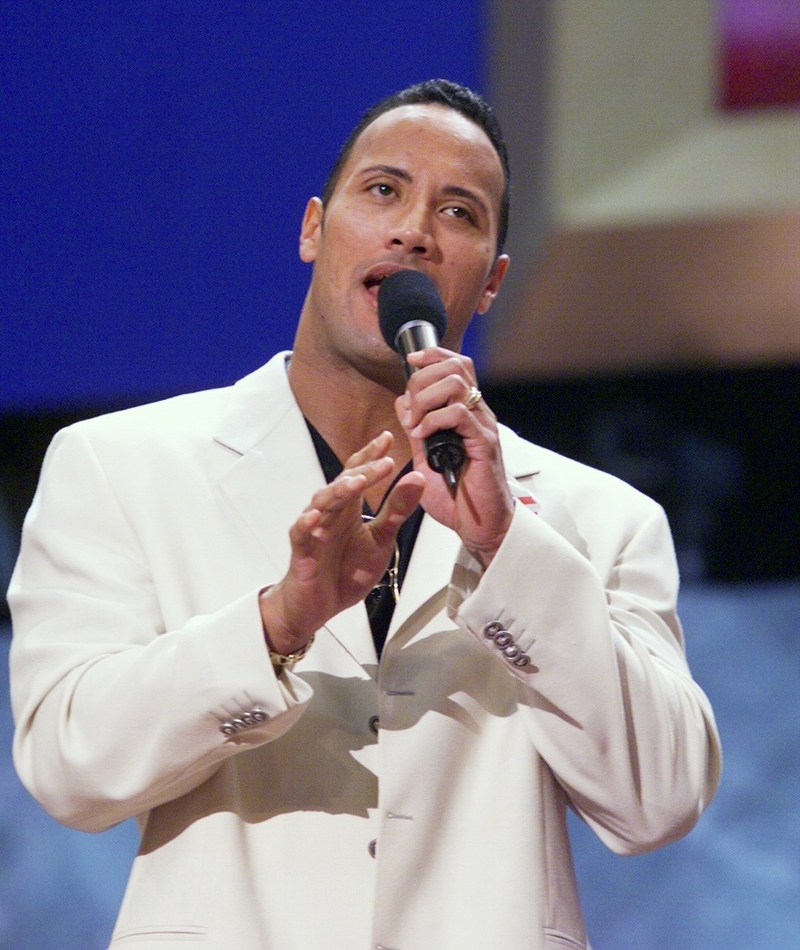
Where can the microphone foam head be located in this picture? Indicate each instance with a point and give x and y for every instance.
(409, 295)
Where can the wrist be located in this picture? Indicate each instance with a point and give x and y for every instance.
(285, 645)
(485, 553)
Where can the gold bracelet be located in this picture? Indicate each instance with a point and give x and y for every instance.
(279, 660)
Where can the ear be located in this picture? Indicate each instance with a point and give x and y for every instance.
(310, 230)
(492, 286)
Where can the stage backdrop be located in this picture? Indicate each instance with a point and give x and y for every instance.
(155, 165)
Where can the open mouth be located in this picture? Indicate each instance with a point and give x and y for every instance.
(373, 282)
(377, 275)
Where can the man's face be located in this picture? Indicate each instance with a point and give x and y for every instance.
(421, 189)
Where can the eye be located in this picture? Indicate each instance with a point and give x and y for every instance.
(382, 189)
(460, 212)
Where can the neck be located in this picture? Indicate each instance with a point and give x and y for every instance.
(347, 408)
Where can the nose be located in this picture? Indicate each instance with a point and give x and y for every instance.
(412, 231)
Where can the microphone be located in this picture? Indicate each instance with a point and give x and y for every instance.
(412, 317)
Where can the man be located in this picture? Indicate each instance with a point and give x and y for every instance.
(207, 636)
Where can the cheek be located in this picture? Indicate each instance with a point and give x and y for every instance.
(346, 243)
(467, 278)
(347, 219)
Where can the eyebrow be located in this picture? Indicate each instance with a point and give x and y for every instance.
(387, 170)
(453, 191)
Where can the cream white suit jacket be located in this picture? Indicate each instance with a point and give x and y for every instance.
(141, 686)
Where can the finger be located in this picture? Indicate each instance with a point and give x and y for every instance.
(374, 449)
(469, 423)
(436, 394)
(342, 493)
(454, 370)
(398, 505)
(437, 354)
(452, 381)
(301, 534)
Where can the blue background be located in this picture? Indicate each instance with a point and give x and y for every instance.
(156, 161)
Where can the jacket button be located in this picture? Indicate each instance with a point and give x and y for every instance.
(372, 847)
(491, 630)
(374, 723)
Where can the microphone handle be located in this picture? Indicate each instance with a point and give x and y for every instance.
(445, 453)
(444, 449)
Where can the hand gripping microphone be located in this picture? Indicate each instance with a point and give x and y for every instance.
(412, 317)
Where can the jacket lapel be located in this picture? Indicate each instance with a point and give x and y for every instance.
(272, 478)
(428, 576)
(274, 471)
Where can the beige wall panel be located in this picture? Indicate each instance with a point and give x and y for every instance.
(723, 292)
(648, 230)
(628, 77)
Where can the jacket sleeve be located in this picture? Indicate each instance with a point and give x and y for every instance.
(114, 713)
(609, 701)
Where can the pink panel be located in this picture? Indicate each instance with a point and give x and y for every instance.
(759, 53)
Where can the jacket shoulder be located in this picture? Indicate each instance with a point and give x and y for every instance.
(192, 410)
(546, 470)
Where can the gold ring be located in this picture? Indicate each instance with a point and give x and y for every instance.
(473, 398)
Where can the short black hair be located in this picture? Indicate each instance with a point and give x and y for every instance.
(453, 96)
